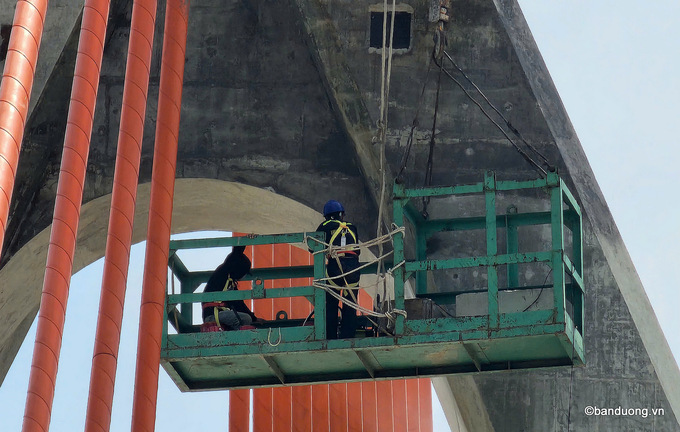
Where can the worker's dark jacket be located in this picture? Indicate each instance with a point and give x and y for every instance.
(236, 267)
(349, 260)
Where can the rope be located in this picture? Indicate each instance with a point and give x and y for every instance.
(332, 251)
(332, 290)
(356, 269)
(382, 124)
(269, 334)
(356, 246)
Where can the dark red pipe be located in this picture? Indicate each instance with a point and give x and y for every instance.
(121, 217)
(66, 216)
(160, 217)
(15, 93)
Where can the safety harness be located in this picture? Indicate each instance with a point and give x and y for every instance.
(342, 230)
(221, 305)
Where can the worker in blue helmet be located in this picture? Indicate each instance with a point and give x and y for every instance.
(340, 233)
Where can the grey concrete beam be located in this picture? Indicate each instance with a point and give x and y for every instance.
(346, 98)
(462, 404)
(61, 17)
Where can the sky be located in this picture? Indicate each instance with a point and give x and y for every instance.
(615, 66)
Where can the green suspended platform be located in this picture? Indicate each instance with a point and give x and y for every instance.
(503, 321)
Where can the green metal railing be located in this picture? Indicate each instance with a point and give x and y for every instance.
(282, 351)
(564, 213)
(190, 281)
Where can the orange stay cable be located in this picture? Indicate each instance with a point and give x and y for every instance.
(300, 309)
(425, 399)
(65, 221)
(399, 404)
(337, 395)
(412, 405)
(369, 396)
(239, 400)
(282, 397)
(121, 216)
(263, 256)
(15, 93)
(160, 216)
(385, 412)
(354, 406)
(320, 408)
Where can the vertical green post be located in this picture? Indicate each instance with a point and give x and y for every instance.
(557, 224)
(577, 254)
(512, 241)
(577, 243)
(164, 335)
(186, 287)
(491, 245)
(421, 254)
(398, 211)
(319, 294)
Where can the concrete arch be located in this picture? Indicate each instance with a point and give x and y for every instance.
(199, 204)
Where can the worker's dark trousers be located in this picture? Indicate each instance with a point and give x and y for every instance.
(348, 325)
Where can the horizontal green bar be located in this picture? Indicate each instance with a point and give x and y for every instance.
(533, 330)
(449, 297)
(506, 185)
(240, 295)
(292, 272)
(478, 261)
(478, 223)
(299, 339)
(254, 239)
(271, 273)
(238, 342)
(526, 319)
(436, 325)
(439, 191)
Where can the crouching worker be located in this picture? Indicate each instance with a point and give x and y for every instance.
(229, 315)
(340, 233)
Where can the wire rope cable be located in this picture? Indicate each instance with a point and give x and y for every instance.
(488, 116)
(510, 126)
(414, 123)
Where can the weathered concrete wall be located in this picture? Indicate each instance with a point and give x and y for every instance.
(254, 110)
(283, 96)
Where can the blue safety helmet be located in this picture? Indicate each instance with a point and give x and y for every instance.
(331, 207)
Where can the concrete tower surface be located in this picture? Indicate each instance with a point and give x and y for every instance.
(279, 112)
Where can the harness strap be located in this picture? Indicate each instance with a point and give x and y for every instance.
(221, 305)
(343, 228)
(216, 311)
